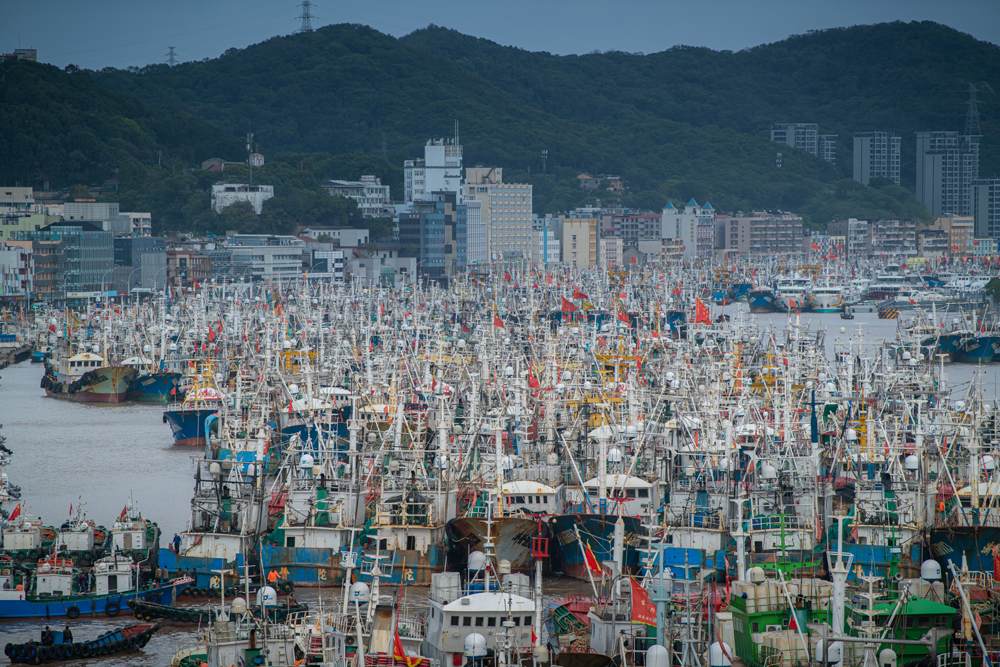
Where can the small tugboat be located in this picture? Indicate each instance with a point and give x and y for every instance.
(57, 587)
(130, 638)
(847, 313)
(88, 378)
(276, 613)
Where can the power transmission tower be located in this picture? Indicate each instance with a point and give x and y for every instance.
(972, 115)
(171, 56)
(306, 17)
(545, 159)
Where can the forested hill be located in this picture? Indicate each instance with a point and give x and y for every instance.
(687, 122)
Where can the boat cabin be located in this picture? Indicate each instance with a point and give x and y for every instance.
(635, 494)
(54, 577)
(481, 613)
(74, 367)
(23, 536)
(530, 497)
(78, 536)
(129, 535)
(113, 575)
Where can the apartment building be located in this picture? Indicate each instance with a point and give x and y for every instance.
(762, 234)
(960, 230)
(579, 242)
(947, 164)
(371, 196)
(876, 154)
(986, 207)
(440, 170)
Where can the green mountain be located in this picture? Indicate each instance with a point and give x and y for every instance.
(58, 126)
(687, 122)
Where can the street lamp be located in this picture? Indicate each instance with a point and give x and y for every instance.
(104, 284)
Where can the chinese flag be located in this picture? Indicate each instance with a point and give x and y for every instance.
(465, 328)
(506, 277)
(400, 655)
(567, 305)
(622, 317)
(16, 513)
(815, 247)
(577, 294)
(701, 315)
(52, 327)
(643, 611)
(124, 512)
(497, 322)
(211, 335)
(677, 290)
(588, 555)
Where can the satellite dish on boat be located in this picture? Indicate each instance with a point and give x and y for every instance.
(887, 658)
(614, 455)
(307, 461)
(360, 592)
(657, 656)
(756, 574)
(911, 463)
(989, 463)
(475, 646)
(238, 607)
(267, 597)
(930, 570)
(767, 471)
(477, 561)
(719, 655)
(834, 656)
(503, 567)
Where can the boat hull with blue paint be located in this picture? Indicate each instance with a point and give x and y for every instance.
(160, 387)
(978, 349)
(14, 604)
(188, 425)
(761, 301)
(597, 531)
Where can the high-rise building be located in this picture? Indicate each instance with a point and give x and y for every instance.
(855, 233)
(947, 163)
(695, 226)
(579, 242)
(828, 147)
(876, 154)
(986, 207)
(439, 171)
(506, 211)
(797, 135)
(960, 231)
(761, 234)
(437, 231)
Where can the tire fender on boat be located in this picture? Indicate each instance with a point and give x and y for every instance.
(72, 611)
(112, 608)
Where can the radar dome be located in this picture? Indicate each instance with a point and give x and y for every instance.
(657, 656)
(239, 606)
(267, 597)
(930, 570)
(477, 561)
(360, 592)
(720, 655)
(614, 455)
(475, 646)
(834, 656)
(912, 463)
(307, 461)
(756, 574)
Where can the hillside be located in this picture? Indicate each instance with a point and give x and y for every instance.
(342, 88)
(61, 128)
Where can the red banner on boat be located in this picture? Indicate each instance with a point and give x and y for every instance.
(643, 611)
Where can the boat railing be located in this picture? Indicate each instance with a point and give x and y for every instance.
(413, 627)
(967, 518)
(773, 522)
(709, 519)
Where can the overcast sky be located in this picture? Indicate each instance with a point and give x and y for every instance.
(119, 33)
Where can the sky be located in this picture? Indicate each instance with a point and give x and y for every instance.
(115, 33)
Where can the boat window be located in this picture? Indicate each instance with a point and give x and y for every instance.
(530, 501)
(943, 622)
(466, 621)
(644, 493)
(517, 620)
(454, 620)
(479, 621)
(527, 621)
(545, 500)
(910, 621)
(520, 499)
(491, 622)
(924, 621)
(630, 493)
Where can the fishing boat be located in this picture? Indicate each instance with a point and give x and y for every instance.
(761, 300)
(56, 588)
(827, 298)
(188, 419)
(88, 378)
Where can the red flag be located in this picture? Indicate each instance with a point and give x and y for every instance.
(534, 638)
(622, 317)
(465, 328)
(577, 294)
(71, 509)
(16, 513)
(52, 327)
(399, 654)
(196, 285)
(211, 335)
(532, 380)
(567, 305)
(173, 390)
(506, 276)
(592, 563)
(677, 290)
(815, 246)
(643, 611)
(701, 314)
(792, 625)
(497, 322)
(124, 513)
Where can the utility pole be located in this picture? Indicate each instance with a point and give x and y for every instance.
(384, 151)
(545, 157)
(306, 17)
(250, 155)
(171, 56)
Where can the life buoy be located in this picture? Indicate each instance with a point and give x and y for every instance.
(112, 609)
(72, 611)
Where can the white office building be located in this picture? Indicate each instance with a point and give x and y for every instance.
(224, 194)
(372, 197)
(439, 171)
